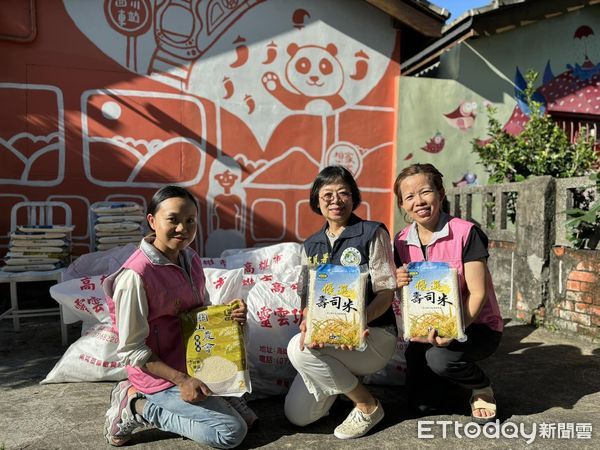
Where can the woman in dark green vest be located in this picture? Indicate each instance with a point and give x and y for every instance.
(325, 372)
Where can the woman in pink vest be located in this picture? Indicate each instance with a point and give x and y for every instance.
(438, 237)
(160, 280)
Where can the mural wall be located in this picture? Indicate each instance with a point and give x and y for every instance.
(441, 117)
(241, 101)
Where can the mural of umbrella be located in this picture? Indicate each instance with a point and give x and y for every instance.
(583, 32)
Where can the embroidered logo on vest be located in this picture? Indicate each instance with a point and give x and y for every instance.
(350, 257)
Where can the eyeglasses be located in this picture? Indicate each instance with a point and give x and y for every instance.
(329, 196)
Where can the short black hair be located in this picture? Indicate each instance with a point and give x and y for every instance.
(330, 175)
(167, 192)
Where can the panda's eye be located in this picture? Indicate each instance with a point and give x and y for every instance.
(325, 66)
(303, 65)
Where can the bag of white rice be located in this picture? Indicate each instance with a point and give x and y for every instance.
(215, 352)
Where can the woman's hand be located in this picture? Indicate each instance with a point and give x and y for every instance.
(193, 390)
(403, 278)
(433, 339)
(240, 313)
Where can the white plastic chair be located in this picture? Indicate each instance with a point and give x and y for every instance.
(38, 213)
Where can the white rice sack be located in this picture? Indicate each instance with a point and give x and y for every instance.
(125, 208)
(272, 259)
(30, 267)
(119, 239)
(46, 228)
(99, 263)
(37, 235)
(274, 316)
(118, 226)
(38, 243)
(109, 219)
(93, 357)
(213, 263)
(19, 261)
(28, 251)
(394, 373)
(223, 285)
(84, 298)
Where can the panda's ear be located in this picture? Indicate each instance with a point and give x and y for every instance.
(292, 49)
(331, 48)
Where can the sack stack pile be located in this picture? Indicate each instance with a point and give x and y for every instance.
(115, 224)
(38, 247)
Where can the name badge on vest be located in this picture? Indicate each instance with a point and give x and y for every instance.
(350, 257)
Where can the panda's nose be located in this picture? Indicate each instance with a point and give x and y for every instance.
(314, 78)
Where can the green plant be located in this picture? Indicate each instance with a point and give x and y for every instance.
(542, 148)
(583, 224)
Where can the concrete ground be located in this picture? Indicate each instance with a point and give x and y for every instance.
(546, 384)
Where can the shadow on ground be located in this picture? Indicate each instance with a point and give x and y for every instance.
(533, 371)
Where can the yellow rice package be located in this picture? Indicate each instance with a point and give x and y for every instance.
(432, 301)
(336, 306)
(215, 352)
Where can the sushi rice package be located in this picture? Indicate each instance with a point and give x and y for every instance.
(215, 352)
(432, 301)
(336, 305)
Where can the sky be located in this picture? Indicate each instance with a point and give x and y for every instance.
(458, 7)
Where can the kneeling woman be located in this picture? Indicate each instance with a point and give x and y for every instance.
(436, 236)
(326, 372)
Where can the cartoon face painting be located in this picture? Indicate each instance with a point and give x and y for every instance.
(314, 71)
(463, 117)
(315, 74)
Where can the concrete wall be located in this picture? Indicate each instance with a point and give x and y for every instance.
(536, 280)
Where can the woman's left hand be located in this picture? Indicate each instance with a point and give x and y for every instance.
(433, 339)
(240, 313)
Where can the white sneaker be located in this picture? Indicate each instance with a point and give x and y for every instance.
(358, 423)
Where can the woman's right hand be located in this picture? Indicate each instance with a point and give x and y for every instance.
(193, 390)
(403, 278)
(303, 333)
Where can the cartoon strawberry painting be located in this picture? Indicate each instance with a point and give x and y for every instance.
(435, 144)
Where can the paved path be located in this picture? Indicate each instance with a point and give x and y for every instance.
(543, 381)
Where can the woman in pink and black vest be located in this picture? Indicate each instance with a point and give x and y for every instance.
(162, 279)
(438, 237)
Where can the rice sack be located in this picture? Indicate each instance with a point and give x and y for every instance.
(215, 352)
(432, 301)
(336, 306)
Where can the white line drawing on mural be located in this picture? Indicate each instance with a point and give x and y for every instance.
(152, 147)
(281, 221)
(80, 237)
(249, 182)
(182, 42)
(131, 19)
(55, 140)
(226, 206)
(20, 198)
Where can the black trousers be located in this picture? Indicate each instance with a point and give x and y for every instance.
(426, 364)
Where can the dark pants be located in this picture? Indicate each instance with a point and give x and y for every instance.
(429, 366)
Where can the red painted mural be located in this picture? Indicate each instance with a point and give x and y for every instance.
(241, 101)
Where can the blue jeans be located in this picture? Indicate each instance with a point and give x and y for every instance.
(211, 422)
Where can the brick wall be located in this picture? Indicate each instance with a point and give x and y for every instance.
(575, 292)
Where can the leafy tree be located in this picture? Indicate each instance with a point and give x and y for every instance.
(542, 148)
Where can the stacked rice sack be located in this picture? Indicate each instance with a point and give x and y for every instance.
(115, 224)
(38, 248)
